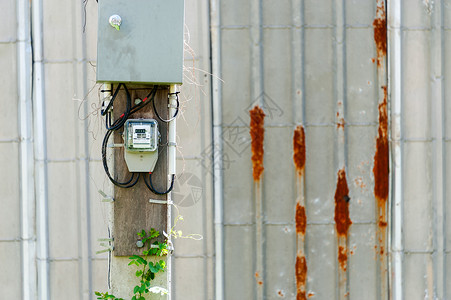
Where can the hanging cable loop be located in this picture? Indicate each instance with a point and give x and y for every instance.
(152, 188)
(127, 184)
(176, 109)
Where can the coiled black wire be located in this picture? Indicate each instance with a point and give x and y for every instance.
(152, 188)
(117, 124)
(176, 111)
(107, 113)
(126, 184)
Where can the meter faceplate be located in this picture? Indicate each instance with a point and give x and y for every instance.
(141, 144)
(141, 135)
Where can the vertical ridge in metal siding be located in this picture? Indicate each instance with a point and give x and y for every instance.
(396, 207)
(297, 92)
(205, 139)
(297, 58)
(40, 149)
(82, 142)
(27, 195)
(381, 157)
(256, 65)
(217, 146)
(341, 204)
(299, 148)
(206, 134)
(439, 159)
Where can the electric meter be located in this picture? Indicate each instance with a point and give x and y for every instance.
(141, 138)
(141, 135)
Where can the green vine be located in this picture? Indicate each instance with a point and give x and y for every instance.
(147, 269)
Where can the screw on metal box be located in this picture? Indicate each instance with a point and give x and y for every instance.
(115, 21)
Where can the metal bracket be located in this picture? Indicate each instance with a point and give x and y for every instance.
(108, 247)
(155, 201)
(170, 248)
(115, 145)
(106, 198)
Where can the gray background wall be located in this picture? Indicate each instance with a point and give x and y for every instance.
(297, 59)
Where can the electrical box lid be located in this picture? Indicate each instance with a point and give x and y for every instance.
(140, 41)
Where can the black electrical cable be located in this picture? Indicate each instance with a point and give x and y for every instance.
(152, 188)
(176, 112)
(107, 113)
(149, 98)
(126, 184)
(117, 124)
(110, 104)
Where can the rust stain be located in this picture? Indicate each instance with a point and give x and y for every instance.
(301, 296)
(381, 172)
(381, 158)
(342, 220)
(301, 277)
(341, 123)
(257, 132)
(382, 223)
(310, 295)
(358, 181)
(257, 277)
(301, 219)
(342, 257)
(380, 32)
(299, 158)
(280, 293)
(299, 149)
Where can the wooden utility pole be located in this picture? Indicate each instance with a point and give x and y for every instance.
(132, 210)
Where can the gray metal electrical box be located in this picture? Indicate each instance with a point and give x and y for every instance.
(147, 47)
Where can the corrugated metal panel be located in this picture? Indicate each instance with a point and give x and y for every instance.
(319, 69)
(423, 138)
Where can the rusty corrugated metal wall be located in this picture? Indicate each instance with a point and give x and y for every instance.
(334, 223)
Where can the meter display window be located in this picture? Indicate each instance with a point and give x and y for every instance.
(141, 135)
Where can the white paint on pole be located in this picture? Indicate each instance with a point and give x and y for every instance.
(172, 147)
